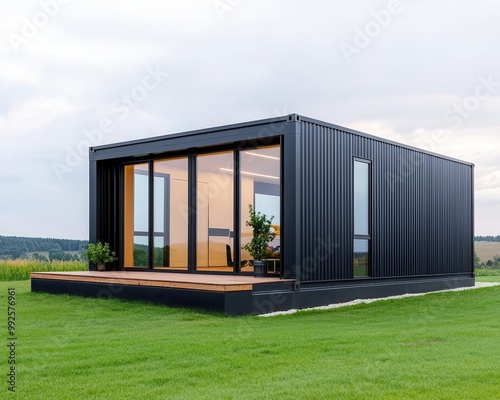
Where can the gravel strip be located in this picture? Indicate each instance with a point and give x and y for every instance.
(478, 285)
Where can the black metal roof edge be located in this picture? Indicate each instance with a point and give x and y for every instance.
(283, 118)
(383, 140)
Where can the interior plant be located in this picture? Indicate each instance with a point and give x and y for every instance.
(263, 234)
(99, 254)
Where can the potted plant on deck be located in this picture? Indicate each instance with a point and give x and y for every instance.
(99, 254)
(262, 235)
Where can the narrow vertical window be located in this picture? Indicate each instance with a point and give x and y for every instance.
(361, 218)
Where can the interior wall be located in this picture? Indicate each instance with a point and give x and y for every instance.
(175, 198)
(178, 222)
(247, 197)
(202, 225)
(216, 203)
(128, 217)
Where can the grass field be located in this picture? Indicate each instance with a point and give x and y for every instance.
(487, 250)
(438, 346)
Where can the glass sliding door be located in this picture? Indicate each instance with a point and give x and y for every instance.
(260, 178)
(136, 215)
(215, 199)
(158, 210)
(171, 214)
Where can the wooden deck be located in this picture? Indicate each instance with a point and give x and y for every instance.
(230, 294)
(206, 282)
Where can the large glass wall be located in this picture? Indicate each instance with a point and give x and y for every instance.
(260, 175)
(361, 218)
(171, 213)
(136, 214)
(157, 229)
(215, 199)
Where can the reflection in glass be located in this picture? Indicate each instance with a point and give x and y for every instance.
(215, 199)
(361, 198)
(361, 257)
(170, 214)
(260, 173)
(136, 211)
(361, 218)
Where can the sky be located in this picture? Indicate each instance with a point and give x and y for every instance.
(75, 73)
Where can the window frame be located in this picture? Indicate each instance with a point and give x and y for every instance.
(192, 155)
(356, 236)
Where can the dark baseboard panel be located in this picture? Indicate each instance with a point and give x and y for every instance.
(263, 299)
(322, 294)
(313, 295)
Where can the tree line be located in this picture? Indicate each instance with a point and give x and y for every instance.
(490, 264)
(487, 238)
(19, 247)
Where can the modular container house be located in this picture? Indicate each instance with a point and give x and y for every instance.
(355, 216)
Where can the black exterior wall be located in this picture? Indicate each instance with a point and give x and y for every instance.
(421, 207)
(421, 203)
(105, 204)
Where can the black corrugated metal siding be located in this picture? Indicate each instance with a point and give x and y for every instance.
(421, 221)
(326, 196)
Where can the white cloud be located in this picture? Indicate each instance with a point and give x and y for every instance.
(106, 54)
(15, 72)
(32, 114)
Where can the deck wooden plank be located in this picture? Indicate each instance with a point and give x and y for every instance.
(204, 282)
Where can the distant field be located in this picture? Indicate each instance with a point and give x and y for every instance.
(17, 270)
(487, 250)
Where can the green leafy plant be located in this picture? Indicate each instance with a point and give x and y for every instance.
(262, 234)
(99, 253)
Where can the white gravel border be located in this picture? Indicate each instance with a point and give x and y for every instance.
(478, 285)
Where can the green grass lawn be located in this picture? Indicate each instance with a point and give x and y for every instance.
(439, 346)
(487, 278)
